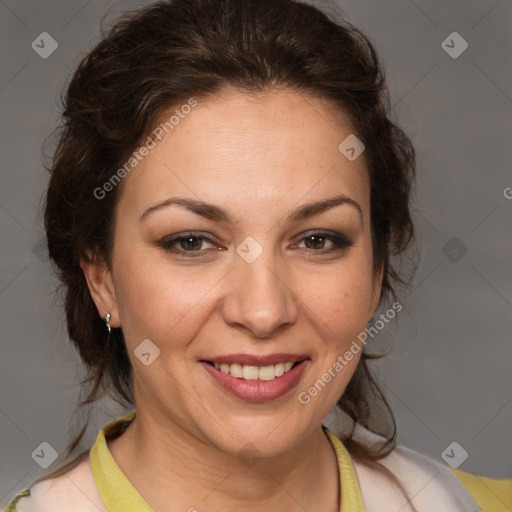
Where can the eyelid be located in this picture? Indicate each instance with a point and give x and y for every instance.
(168, 240)
(325, 232)
(338, 239)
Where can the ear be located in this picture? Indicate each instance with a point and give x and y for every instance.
(376, 291)
(101, 287)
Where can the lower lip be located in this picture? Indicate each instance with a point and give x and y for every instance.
(258, 390)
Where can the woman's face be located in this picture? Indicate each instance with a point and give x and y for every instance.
(256, 274)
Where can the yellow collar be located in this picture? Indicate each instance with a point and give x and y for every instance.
(119, 495)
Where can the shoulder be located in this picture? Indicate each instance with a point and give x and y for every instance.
(431, 485)
(493, 495)
(73, 490)
(72, 487)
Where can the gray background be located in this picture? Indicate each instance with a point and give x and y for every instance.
(448, 374)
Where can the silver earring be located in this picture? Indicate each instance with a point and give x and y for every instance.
(106, 319)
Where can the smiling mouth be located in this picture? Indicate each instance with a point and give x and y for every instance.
(251, 372)
(241, 375)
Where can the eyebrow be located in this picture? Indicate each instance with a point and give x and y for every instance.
(217, 214)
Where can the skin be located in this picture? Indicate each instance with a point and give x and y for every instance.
(258, 157)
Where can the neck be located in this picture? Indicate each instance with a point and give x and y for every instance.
(168, 464)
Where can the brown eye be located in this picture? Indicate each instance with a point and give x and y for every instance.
(188, 245)
(315, 242)
(190, 242)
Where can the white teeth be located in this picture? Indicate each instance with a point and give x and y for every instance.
(279, 369)
(267, 372)
(250, 372)
(236, 370)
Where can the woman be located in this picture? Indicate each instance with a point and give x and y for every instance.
(224, 204)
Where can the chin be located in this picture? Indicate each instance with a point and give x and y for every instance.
(263, 437)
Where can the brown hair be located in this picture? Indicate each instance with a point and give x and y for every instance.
(160, 56)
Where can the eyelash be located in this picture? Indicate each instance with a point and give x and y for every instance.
(340, 241)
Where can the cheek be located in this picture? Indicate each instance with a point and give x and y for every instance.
(339, 311)
(160, 304)
(340, 300)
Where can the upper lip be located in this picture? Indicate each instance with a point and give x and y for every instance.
(257, 360)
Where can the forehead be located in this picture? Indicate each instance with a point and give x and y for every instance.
(250, 151)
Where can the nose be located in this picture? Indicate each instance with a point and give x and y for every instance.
(259, 298)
